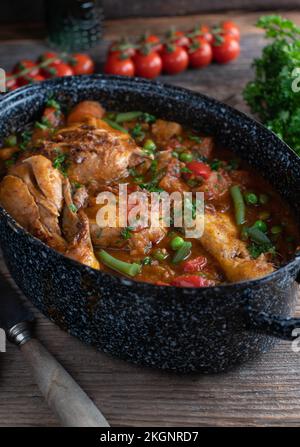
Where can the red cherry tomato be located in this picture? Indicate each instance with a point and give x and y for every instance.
(225, 48)
(55, 69)
(192, 281)
(49, 56)
(229, 27)
(201, 32)
(194, 265)
(205, 33)
(11, 84)
(123, 46)
(118, 64)
(82, 64)
(25, 65)
(153, 41)
(26, 79)
(181, 39)
(147, 65)
(200, 53)
(174, 59)
(199, 168)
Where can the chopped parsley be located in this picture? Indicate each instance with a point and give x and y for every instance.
(53, 103)
(148, 118)
(126, 233)
(25, 139)
(195, 138)
(60, 162)
(137, 132)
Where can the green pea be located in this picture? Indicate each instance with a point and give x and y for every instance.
(251, 198)
(276, 229)
(263, 199)
(176, 243)
(149, 145)
(186, 157)
(264, 215)
(261, 225)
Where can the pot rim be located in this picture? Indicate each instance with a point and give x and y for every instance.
(18, 95)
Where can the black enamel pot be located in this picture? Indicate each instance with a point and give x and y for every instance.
(207, 329)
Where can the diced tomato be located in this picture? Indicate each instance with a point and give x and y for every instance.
(11, 84)
(199, 168)
(195, 265)
(192, 281)
(53, 116)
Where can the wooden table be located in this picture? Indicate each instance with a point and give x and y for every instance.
(264, 392)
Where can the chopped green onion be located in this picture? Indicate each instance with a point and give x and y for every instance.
(261, 225)
(176, 243)
(258, 236)
(10, 141)
(195, 138)
(250, 198)
(126, 233)
(40, 125)
(263, 199)
(264, 215)
(160, 254)
(53, 103)
(115, 125)
(276, 229)
(127, 116)
(186, 157)
(239, 205)
(182, 253)
(73, 208)
(146, 261)
(125, 268)
(148, 118)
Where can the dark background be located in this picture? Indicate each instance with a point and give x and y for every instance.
(33, 10)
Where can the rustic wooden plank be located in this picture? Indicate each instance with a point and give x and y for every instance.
(264, 392)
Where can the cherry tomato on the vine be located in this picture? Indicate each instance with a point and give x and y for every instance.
(201, 32)
(152, 41)
(200, 53)
(82, 64)
(31, 70)
(225, 48)
(123, 46)
(49, 56)
(147, 64)
(177, 38)
(57, 70)
(174, 59)
(119, 64)
(229, 27)
(11, 84)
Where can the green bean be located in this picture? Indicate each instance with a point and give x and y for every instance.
(119, 266)
(182, 253)
(115, 125)
(239, 205)
(127, 116)
(258, 236)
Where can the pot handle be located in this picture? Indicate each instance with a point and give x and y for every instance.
(286, 328)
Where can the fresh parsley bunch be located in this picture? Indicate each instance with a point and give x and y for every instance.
(271, 95)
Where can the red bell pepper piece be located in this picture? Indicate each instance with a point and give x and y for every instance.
(199, 168)
(195, 265)
(192, 281)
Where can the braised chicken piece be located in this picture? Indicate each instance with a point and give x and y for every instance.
(221, 240)
(54, 173)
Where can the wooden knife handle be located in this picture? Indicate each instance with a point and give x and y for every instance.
(63, 395)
